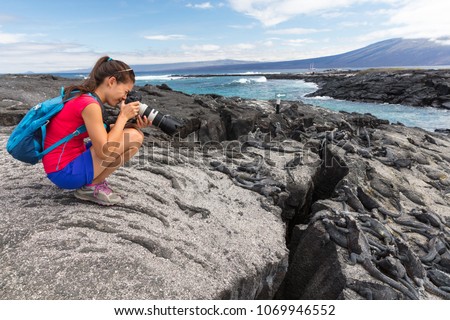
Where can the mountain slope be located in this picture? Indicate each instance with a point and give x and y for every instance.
(392, 52)
(395, 52)
(388, 53)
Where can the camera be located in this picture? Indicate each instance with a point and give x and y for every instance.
(166, 123)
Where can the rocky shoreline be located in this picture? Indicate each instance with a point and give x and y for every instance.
(411, 87)
(305, 204)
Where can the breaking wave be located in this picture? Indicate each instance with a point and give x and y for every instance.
(158, 77)
(250, 80)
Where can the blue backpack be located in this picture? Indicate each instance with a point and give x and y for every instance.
(26, 142)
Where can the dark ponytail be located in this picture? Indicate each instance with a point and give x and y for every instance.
(104, 68)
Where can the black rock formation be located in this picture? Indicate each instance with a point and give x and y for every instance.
(361, 205)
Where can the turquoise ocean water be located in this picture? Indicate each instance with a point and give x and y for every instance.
(255, 86)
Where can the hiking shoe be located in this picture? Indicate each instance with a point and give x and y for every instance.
(99, 193)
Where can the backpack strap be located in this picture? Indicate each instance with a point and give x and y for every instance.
(81, 129)
(43, 134)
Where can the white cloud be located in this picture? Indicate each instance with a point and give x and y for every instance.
(204, 5)
(398, 18)
(54, 57)
(353, 24)
(204, 47)
(297, 42)
(423, 18)
(291, 31)
(6, 38)
(242, 26)
(273, 12)
(415, 19)
(10, 38)
(45, 57)
(244, 46)
(165, 37)
(333, 15)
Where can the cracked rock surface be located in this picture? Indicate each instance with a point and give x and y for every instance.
(305, 204)
(183, 232)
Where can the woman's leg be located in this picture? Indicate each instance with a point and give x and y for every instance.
(131, 142)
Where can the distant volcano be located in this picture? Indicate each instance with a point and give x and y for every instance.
(388, 53)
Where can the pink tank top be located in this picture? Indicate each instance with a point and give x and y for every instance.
(61, 125)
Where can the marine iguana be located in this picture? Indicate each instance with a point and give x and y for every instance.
(435, 247)
(347, 146)
(364, 153)
(389, 213)
(428, 217)
(430, 139)
(335, 233)
(398, 163)
(386, 212)
(414, 224)
(294, 162)
(253, 166)
(378, 228)
(347, 195)
(373, 291)
(267, 181)
(439, 278)
(415, 269)
(279, 130)
(364, 134)
(369, 202)
(439, 186)
(219, 166)
(359, 249)
(276, 147)
(394, 268)
(262, 188)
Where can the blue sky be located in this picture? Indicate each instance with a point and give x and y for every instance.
(49, 35)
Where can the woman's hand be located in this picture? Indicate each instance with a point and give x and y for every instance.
(143, 122)
(129, 110)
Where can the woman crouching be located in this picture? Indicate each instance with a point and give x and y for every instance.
(85, 167)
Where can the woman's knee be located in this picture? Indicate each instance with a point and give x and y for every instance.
(134, 137)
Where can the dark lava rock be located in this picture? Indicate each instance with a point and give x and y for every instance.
(211, 216)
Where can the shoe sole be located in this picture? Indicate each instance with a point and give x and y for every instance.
(97, 201)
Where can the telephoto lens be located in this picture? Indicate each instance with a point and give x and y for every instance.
(166, 123)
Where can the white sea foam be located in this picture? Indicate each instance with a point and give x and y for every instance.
(249, 73)
(251, 80)
(261, 79)
(158, 77)
(309, 84)
(320, 98)
(258, 72)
